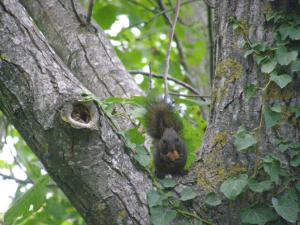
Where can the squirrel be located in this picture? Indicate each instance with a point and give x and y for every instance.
(164, 126)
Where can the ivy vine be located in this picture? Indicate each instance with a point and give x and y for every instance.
(275, 183)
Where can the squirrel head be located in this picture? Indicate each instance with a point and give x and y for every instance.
(170, 144)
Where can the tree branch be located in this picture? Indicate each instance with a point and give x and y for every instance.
(187, 86)
(176, 38)
(167, 61)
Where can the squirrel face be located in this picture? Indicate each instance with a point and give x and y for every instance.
(170, 145)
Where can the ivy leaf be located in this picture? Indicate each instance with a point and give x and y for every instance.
(135, 136)
(296, 110)
(294, 33)
(276, 108)
(248, 52)
(243, 140)
(284, 31)
(287, 208)
(284, 57)
(259, 186)
(154, 198)
(168, 183)
(250, 91)
(281, 80)
(34, 197)
(187, 194)
(212, 199)
(142, 156)
(272, 168)
(258, 215)
(269, 66)
(271, 118)
(295, 162)
(295, 66)
(234, 186)
(161, 216)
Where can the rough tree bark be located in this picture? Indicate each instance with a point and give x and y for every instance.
(218, 158)
(42, 79)
(47, 64)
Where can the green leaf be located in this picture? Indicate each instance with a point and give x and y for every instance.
(143, 159)
(4, 165)
(243, 140)
(105, 16)
(295, 66)
(281, 80)
(294, 33)
(271, 118)
(284, 57)
(269, 66)
(276, 108)
(284, 30)
(161, 216)
(259, 186)
(135, 136)
(248, 52)
(250, 91)
(168, 183)
(187, 194)
(260, 214)
(28, 203)
(295, 162)
(272, 168)
(154, 198)
(287, 208)
(212, 199)
(296, 110)
(234, 186)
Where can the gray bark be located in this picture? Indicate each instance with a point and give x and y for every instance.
(218, 159)
(42, 77)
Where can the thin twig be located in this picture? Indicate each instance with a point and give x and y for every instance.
(189, 96)
(145, 23)
(187, 86)
(90, 12)
(150, 76)
(8, 177)
(135, 3)
(182, 58)
(167, 62)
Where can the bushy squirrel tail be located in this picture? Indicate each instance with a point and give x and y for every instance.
(161, 115)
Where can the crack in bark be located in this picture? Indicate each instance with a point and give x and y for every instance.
(93, 69)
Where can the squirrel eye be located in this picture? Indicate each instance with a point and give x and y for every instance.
(164, 142)
(177, 140)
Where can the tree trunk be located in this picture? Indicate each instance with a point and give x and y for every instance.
(42, 81)
(219, 158)
(46, 66)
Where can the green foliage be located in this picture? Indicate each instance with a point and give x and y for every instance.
(212, 199)
(271, 117)
(250, 91)
(259, 187)
(234, 186)
(274, 187)
(162, 216)
(287, 207)
(281, 80)
(243, 140)
(259, 214)
(187, 194)
(43, 203)
(28, 203)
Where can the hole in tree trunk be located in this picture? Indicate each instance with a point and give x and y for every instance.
(81, 113)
